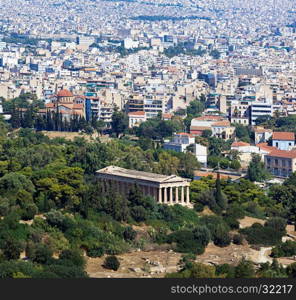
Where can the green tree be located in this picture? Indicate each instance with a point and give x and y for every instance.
(196, 270)
(245, 269)
(12, 248)
(111, 262)
(129, 233)
(242, 133)
(41, 254)
(119, 123)
(219, 196)
(221, 236)
(256, 170)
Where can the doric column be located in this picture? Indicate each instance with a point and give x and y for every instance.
(177, 195)
(165, 195)
(171, 195)
(159, 195)
(187, 195)
(151, 191)
(182, 194)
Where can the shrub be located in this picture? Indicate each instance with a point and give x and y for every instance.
(198, 207)
(4, 206)
(262, 235)
(277, 224)
(235, 211)
(202, 235)
(238, 239)
(284, 249)
(62, 271)
(129, 234)
(111, 262)
(232, 222)
(195, 270)
(12, 248)
(139, 213)
(221, 236)
(9, 268)
(29, 211)
(72, 256)
(191, 241)
(225, 269)
(245, 269)
(185, 242)
(95, 252)
(40, 254)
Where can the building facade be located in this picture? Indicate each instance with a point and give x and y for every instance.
(164, 189)
(280, 163)
(283, 140)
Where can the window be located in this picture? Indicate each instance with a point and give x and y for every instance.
(276, 162)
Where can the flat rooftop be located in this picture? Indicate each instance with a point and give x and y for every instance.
(153, 177)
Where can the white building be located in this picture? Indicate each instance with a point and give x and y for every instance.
(180, 143)
(201, 154)
(283, 140)
(136, 118)
(261, 109)
(246, 150)
(128, 43)
(262, 135)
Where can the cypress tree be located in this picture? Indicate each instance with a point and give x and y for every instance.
(219, 197)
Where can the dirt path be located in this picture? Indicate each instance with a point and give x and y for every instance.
(263, 255)
(138, 264)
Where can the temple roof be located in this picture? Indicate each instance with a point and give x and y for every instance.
(140, 175)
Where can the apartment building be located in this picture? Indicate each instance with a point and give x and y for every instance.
(260, 109)
(281, 163)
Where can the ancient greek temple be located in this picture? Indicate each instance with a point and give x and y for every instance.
(164, 189)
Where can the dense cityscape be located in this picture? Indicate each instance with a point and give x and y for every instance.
(147, 138)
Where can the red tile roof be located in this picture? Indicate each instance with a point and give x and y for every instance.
(213, 174)
(285, 136)
(49, 105)
(265, 147)
(261, 130)
(199, 128)
(166, 116)
(210, 118)
(196, 132)
(64, 93)
(184, 133)
(222, 124)
(137, 113)
(283, 153)
(239, 144)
